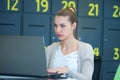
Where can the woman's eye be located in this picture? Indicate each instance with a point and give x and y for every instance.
(62, 26)
(55, 25)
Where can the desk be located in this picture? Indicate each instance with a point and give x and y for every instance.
(19, 78)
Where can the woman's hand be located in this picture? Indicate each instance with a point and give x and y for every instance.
(58, 70)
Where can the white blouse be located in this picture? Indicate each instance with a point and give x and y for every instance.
(69, 60)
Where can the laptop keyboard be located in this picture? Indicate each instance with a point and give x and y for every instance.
(57, 76)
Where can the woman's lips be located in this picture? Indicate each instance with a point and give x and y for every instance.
(59, 35)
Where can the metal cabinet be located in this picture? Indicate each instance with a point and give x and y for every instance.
(37, 25)
(10, 24)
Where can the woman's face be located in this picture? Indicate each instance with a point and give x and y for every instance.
(63, 27)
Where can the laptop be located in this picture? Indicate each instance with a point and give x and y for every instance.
(24, 56)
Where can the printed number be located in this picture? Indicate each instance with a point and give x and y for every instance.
(93, 9)
(68, 4)
(116, 13)
(116, 54)
(42, 3)
(13, 7)
(96, 52)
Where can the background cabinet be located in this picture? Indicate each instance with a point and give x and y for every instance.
(98, 24)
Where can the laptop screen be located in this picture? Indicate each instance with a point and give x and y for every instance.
(22, 56)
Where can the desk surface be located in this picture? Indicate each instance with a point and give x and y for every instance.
(18, 78)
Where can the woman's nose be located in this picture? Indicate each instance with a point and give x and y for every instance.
(58, 29)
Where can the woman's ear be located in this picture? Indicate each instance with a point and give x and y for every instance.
(74, 25)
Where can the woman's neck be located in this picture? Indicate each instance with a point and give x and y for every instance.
(69, 45)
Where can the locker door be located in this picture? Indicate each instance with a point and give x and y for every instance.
(37, 25)
(10, 24)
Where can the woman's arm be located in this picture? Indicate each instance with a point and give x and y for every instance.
(86, 64)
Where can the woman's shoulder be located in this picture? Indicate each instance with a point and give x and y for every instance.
(86, 50)
(84, 45)
(53, 45)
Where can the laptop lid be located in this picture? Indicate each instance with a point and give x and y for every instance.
(22, 56)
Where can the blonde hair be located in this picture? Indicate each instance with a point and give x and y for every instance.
(70, 11)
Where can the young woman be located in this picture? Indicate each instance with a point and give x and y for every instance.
(71, 56)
